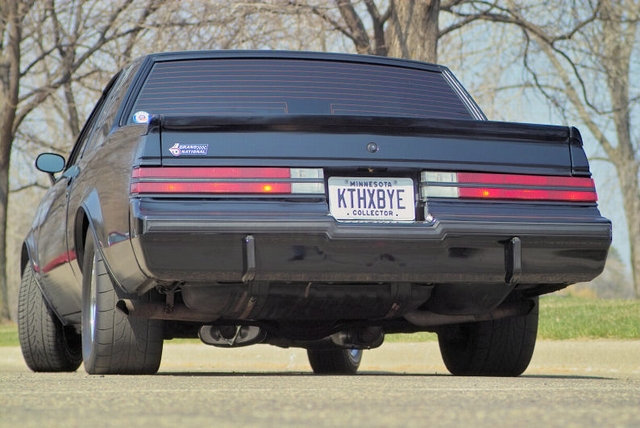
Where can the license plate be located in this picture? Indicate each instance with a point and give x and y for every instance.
(372, 199)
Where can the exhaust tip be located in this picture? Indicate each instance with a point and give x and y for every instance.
(123, 307)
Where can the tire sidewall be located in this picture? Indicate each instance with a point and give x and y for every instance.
(90, 320)
(112, 342)
(501, 347)
(336, 361)
(56, 348)
(354, 357)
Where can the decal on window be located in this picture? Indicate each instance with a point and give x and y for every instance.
(141, 117)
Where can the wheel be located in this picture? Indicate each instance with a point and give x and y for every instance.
(334, 361)
(490, 348)
(47, 345)
(113, 343)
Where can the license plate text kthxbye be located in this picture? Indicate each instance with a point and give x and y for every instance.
(380, 199)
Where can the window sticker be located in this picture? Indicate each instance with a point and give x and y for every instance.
(141, 117)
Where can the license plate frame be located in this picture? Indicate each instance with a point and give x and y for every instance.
(379, 199)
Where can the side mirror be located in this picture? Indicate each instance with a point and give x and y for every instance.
(50, 163)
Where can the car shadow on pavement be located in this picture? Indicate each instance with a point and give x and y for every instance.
(281, 374)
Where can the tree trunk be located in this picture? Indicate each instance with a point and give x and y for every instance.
(627, 170)
(9, 83)
(617, 42)
(412, 31)
(5, 313)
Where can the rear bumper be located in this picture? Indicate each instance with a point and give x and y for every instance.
(213, 247)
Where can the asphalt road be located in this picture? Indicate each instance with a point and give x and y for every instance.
(568, 384)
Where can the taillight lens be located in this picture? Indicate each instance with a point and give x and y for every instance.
(467, 185)
(226, 180)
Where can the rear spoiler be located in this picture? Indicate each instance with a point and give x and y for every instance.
(384, 125)
(377, 124)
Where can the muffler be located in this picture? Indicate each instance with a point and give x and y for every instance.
(432, 319)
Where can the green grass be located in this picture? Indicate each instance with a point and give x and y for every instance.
(561, 318)
(9, 335)
(570, 317)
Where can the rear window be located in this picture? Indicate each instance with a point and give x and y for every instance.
(281, 87)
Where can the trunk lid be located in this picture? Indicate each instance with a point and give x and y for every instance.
(372, 143)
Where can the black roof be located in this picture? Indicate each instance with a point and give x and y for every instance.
(305, 55)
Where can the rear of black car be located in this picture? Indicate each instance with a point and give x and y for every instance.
(302, 199)
(307, 194)
(328, 152)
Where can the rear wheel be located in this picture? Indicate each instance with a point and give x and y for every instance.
(490, 348)
(334, 361)
(47, 345)
(113, 343)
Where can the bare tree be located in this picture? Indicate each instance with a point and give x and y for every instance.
(47, 47)
(583, 59)
(400, 28)
(57, 55)
(11, 17)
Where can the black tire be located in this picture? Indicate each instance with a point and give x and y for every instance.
(335, 361)
(47, 345)
(113, 343)
(490, 348)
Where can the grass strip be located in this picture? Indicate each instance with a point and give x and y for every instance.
(561, 318)
(9, 335)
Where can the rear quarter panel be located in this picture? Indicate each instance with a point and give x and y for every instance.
(101, 192)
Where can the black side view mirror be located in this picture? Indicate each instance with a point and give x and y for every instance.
(50, 163)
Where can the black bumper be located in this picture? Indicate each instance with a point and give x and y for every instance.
(218, 246)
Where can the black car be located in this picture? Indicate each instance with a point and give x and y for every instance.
(302, 200)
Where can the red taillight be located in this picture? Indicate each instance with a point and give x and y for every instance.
(215, 187)
(507, 187)
(226, 180)
(525, 180)
(207, 173)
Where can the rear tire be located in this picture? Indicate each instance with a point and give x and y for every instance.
(47, 345)
(335, 361)
(113, 343)
(490, 348)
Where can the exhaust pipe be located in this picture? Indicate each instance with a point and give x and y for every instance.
(159, 311)
(432, 319)
(232, 336)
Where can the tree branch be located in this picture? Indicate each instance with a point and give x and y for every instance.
(28, 186)
(355, 25)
